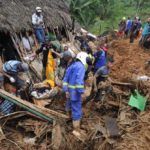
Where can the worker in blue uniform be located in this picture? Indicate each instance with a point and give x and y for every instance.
(73, 86)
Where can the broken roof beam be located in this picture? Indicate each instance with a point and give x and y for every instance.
(43, 113)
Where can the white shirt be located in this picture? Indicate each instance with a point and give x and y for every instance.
(36, 20)
(26, 44)
(72, 53)
(31, 41)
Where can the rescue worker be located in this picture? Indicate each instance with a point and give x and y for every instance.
(73, 86)
(48, 62)
(38, 25)
(13, 83)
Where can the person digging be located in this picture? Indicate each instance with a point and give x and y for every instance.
(100, 77)
(13, 83)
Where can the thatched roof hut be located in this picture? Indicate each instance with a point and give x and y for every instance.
(16, 14)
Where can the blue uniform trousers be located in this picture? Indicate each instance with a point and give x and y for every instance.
(75, 105)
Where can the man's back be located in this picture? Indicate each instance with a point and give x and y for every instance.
(11, 67)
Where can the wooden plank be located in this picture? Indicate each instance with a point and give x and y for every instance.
(56, 136)
(43, 113)
(35, 72)
(15, 115)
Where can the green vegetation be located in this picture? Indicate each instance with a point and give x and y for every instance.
(98, 16)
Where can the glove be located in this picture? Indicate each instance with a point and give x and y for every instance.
(12, 80)
(28, 81)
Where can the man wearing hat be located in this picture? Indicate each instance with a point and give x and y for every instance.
(38, 25)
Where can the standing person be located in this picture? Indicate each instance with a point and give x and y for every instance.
(145, 33)
(26, 42)
(38, 25)
(128, 26)
(134, 29)
(122, 27)
(146, 29)
(73, 86)
(48, 62)
(10, 70)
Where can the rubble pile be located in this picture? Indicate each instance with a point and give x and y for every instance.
(109, 123)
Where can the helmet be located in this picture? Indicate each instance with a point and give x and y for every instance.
(24, 67)
(82, 56)
(38, 9)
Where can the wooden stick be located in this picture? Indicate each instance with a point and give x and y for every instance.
(19, 46)
(14, 42)
(43, 113)
(35, 41)
(121, 83)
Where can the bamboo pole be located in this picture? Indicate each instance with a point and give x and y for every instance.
(35, 41)
(14, 42)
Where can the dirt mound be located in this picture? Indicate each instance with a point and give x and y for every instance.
(129, 60)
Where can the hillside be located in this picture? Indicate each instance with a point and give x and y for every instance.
(98, 16)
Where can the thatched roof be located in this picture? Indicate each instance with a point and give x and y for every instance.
(16, 14)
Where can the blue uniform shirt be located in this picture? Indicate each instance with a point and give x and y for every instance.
(74, 78)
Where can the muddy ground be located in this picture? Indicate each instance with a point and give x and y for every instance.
(110, 124)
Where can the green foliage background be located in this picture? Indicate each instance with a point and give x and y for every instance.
(98, 16)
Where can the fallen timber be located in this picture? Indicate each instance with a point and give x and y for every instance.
(44, 113)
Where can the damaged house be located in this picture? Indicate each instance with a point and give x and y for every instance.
(15, 16)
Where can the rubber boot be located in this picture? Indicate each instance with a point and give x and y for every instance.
(77, 132)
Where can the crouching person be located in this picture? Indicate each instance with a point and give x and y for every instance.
(73, 86)
(12, 82)
(100, 77)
